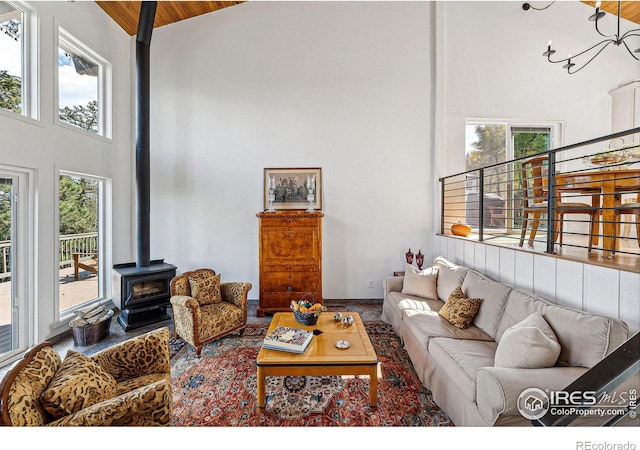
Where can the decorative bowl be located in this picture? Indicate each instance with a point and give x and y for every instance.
(306, 318)
(307, 311)
(607, 158)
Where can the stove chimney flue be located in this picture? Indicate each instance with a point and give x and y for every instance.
(143, 178)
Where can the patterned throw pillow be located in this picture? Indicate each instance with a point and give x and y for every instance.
(205, 288)
(79, 383)
(460, 310)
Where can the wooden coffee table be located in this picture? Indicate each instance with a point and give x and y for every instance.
(322, 357)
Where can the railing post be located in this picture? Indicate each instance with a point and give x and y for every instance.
(481, 205)
(441, 205)
(551, 204)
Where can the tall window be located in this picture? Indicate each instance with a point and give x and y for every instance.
(80, 218)
(492, 142)
(17, 73)
(83, 99)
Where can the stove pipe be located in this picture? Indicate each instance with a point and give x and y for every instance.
(143, 42)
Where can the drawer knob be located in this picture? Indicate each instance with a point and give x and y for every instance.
(289, 288)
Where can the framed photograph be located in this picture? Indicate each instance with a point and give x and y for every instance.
(290, 188)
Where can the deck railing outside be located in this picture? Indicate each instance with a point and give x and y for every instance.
(602, 173)
(69, 244)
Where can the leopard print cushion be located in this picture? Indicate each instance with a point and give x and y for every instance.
(23, 400)
(78, 384)
(460, 310)
(181, 286)
(205, 288)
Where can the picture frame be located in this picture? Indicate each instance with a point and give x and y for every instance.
(290, 190)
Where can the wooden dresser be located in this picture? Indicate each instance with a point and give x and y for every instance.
(290, 249)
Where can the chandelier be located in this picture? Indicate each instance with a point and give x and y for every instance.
(576, 62)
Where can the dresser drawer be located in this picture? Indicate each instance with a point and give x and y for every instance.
(287, 268)
(289, 222)
(290, 282)
(283, 299)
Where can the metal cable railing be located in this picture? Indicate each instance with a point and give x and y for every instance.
(580, 196)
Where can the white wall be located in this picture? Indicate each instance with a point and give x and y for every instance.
(587, 287)
(344, 86)
(46, 148)
(490, 65)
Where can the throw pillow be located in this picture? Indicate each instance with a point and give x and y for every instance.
(529, 344)
(459, 310)
(79, 383)
(205, 288)
(422, 283)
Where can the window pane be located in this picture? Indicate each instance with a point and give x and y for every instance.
(78, 90)
(7, 330)
(10, 58)
(79, 210)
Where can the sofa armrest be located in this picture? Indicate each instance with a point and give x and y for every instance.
(236, 292)
(392, 284)
(498, 388)
(150, 405)
(138, 356)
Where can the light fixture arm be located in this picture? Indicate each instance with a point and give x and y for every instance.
(615, 39)
(570, 66)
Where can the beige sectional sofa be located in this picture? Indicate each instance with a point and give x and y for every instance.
(458, 365)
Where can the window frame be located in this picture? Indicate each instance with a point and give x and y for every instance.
(104, 243)
(30, 98)
(68, 42)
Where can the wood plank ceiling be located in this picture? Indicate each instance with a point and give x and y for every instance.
(126, 13)
(629, 10)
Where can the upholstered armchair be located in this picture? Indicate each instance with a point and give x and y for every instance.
(126, 384)
(204, 309)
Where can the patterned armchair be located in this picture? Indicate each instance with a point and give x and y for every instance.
(204, 309)
(126, 384)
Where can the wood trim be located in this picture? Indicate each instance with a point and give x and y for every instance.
(9, 378)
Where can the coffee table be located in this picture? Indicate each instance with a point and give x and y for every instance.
(322, 357)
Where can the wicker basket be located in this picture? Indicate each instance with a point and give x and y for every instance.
(306, 318)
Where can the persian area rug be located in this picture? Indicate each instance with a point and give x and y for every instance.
(219, 388)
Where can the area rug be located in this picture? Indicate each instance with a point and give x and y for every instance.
(219, 388)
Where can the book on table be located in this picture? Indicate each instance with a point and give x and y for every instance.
(288, 339)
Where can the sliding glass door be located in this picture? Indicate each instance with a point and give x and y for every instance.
(13, 263)
(7, 215)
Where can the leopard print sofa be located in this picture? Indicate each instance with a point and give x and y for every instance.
(126, 384)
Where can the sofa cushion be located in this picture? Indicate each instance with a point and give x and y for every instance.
(424, 325)
(461, 360)
(459, 310)
(494, 297)
(450, 276)
(23, 400)
(79, 383)
(530, 344)
(421, 283)
(584, 338)
(205, 288)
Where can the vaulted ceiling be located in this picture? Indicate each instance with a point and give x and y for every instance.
(629, 10)
(126, 13)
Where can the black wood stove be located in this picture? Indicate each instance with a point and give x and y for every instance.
(141, 289)
(142, 293)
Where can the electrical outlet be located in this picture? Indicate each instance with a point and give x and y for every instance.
(371, 283)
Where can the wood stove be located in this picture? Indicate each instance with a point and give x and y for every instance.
(141, 289)
(142, 293)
